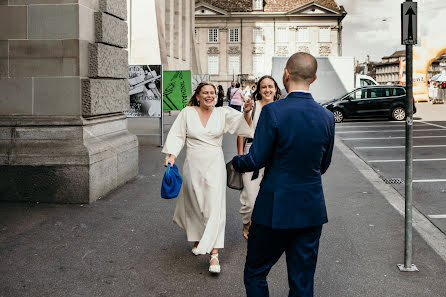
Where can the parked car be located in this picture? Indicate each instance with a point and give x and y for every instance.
(371, 102)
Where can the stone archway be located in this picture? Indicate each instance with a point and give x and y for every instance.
(431, 48)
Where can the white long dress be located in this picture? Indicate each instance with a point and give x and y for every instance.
(201, 204)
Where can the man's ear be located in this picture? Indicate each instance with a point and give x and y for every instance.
(315, 77)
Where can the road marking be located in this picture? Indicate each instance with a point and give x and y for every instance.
(395, 147)
(376, 126)
(428, 231)
(443, 216)
(429, 180)
(435, 125)
(414, 130)
(379, 122)
(415, 160)
(393, 137)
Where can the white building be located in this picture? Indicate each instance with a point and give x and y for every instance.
(237, 39)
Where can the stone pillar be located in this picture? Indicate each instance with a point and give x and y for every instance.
(63, 70)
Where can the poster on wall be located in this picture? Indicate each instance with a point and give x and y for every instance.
(198, 78)
(176, 89)
(145, 91)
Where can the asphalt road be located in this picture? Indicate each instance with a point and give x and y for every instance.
(382, 145)
(126, 244)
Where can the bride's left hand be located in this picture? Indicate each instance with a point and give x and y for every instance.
(248, 106)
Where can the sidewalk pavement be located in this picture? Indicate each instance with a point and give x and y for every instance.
(126, 244)
(426, 111)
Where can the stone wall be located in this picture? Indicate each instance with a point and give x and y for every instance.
(63, 70)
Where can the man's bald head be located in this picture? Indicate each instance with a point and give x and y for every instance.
(302, 67)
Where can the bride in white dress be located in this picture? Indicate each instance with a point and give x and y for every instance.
(201, 204)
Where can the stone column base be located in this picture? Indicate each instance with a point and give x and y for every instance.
(65, 159)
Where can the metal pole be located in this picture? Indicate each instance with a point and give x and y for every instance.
(408, 266)
(162, 109)
(409, 158)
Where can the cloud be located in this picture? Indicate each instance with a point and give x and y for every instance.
(373, 27)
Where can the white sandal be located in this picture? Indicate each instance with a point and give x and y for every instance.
(195, 249)
(214, 268)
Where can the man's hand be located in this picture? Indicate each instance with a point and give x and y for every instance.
(169, 160)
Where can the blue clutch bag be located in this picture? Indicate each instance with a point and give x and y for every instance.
(171, 185)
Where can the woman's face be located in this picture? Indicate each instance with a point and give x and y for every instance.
(267, 89)
(206, 97)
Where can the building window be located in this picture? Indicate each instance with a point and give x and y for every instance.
(234, 65)
(257, 35)
(282, 34)
(258, 65)
(303, 35)
(212, 64)
(258, 5)
(324, 34)
(213, 35)
(196, 35)
(233, 35)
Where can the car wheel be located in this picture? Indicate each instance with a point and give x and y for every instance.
(338, 116)
(398, 113)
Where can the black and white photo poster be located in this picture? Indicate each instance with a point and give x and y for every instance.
(145, 91)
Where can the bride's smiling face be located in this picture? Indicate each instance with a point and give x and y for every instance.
(206, 97)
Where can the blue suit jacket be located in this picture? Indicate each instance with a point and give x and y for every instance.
(294, 142)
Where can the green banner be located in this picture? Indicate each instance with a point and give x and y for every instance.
(177, 89)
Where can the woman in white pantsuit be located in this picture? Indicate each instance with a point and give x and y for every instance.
(201, 205)
(266, 92)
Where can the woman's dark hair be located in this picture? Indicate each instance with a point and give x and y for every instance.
(237, 85)
(193, 100)
(220, 88)
(257, 96)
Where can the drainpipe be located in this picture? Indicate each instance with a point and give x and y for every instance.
(274, 36)
(241, 46)
(339, 37)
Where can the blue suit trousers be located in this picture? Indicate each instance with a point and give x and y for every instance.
(265, 247)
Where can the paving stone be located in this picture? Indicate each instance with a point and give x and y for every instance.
(87, 25)
(13, 22)
(108, 61)
(57, 96)
(103, 96)
(53, 21)
(3, 58)
(37, 58)
(93, 4)
(117, 8)
(16, 96)
(110, 30)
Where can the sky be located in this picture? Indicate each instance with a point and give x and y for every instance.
(373, 27)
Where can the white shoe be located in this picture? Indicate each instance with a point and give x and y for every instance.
(214, 268)
(195, 251)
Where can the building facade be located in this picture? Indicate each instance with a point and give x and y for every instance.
(160, 32)
(388, 70)
(176, 23)
(236, 40)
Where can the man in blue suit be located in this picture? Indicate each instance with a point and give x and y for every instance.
(294, 142)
